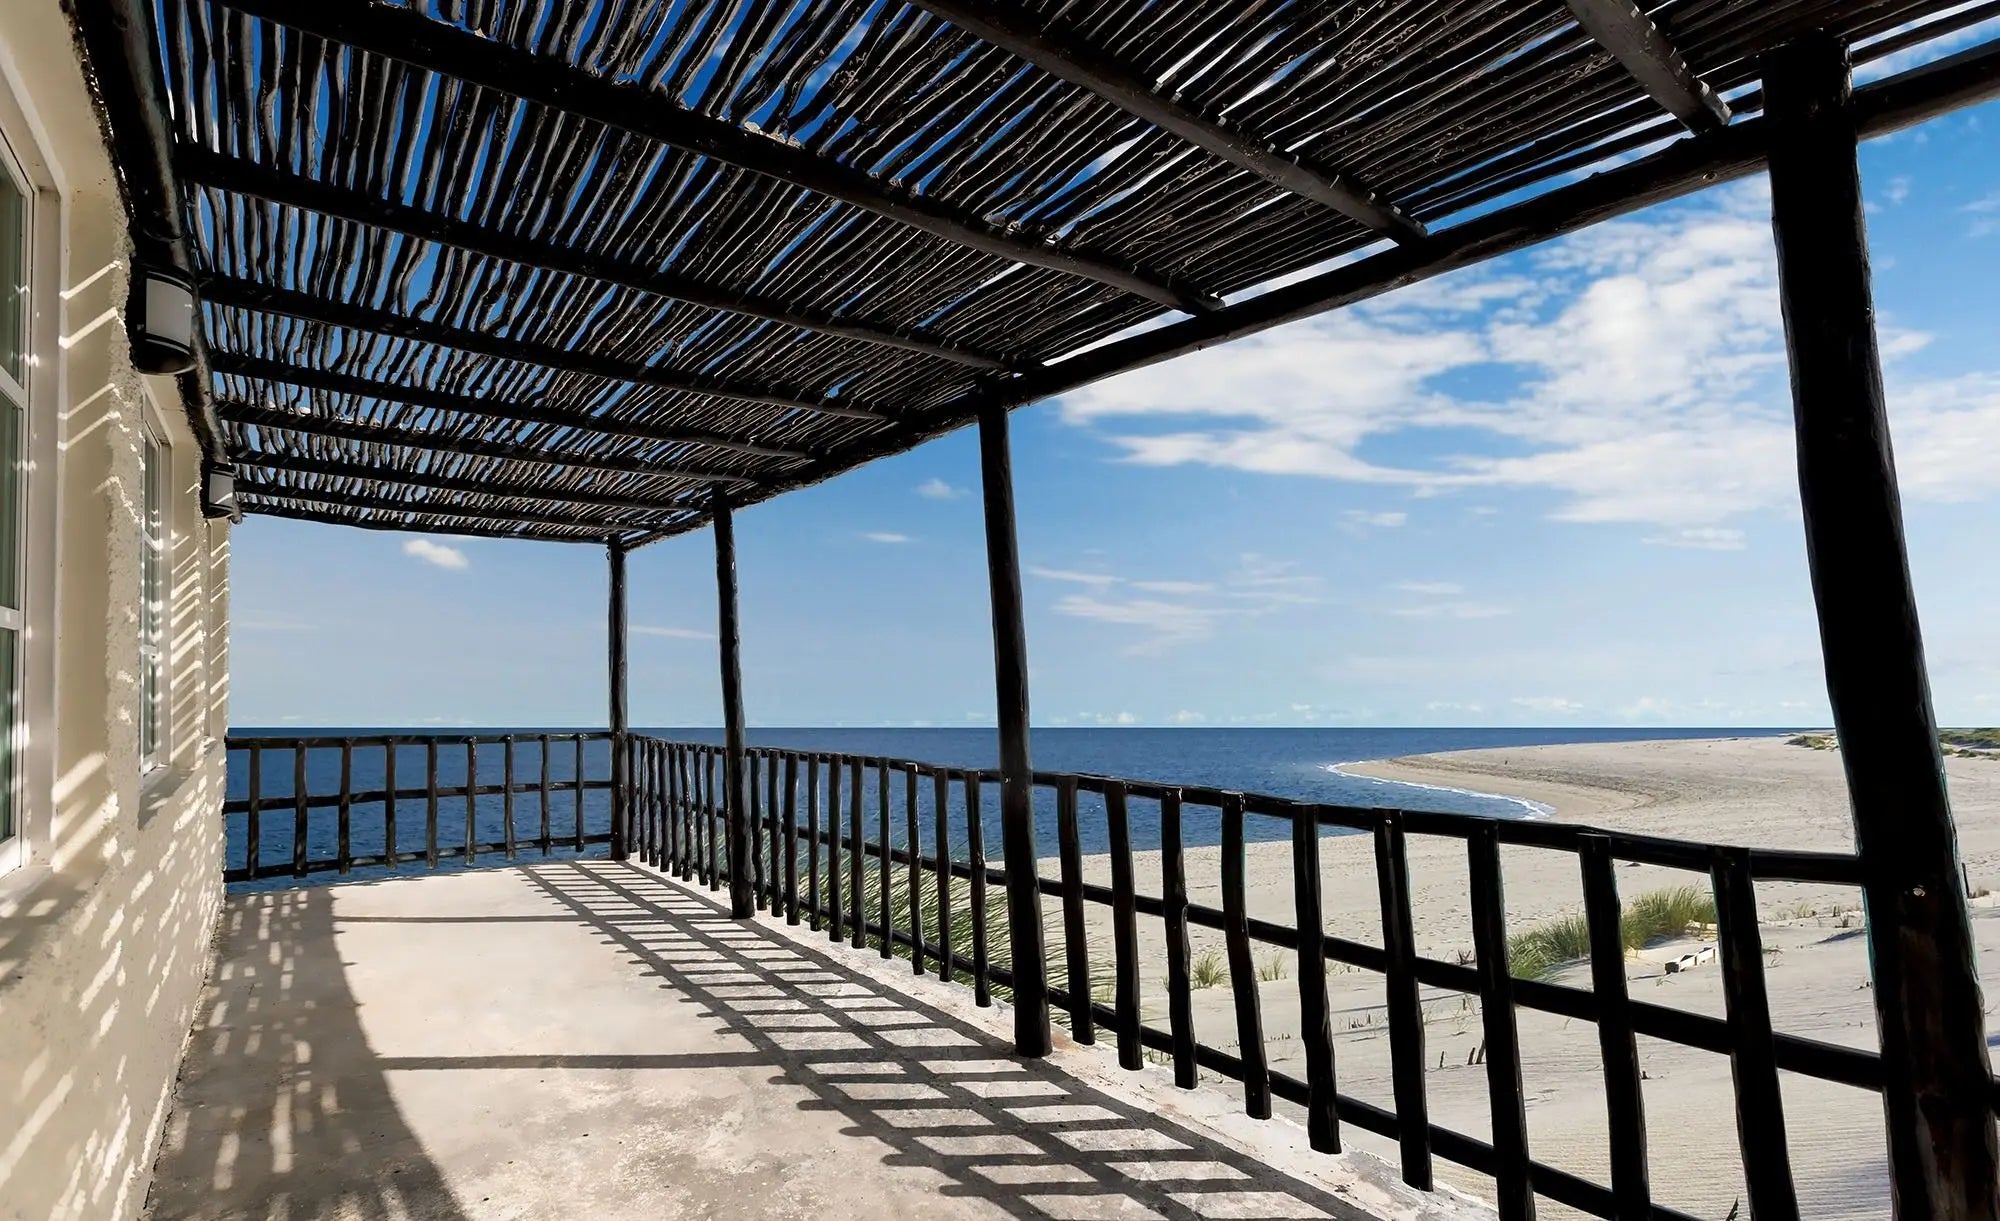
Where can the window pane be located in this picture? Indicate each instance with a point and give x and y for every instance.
(152, 563)
(10, 503)
(13, 277)
(6, 733)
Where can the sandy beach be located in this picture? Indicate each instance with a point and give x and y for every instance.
(1758, 792)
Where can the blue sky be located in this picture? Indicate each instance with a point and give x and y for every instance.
(1555, 489)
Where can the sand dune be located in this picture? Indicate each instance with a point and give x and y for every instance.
(1756, 792)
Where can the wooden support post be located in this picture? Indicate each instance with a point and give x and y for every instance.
(1017, 777)
(621, 781)
(735, 811)
(1937, 1082)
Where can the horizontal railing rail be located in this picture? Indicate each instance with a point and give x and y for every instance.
(356, 778)
(825, 827)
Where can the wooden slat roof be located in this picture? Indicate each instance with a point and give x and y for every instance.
(566, 270)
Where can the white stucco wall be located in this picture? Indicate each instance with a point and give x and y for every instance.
(104, 937)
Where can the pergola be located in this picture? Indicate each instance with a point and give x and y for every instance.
(604, 271)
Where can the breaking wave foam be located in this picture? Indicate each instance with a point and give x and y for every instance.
(1535, 809)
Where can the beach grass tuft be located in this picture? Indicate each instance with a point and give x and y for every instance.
(1665, 913)
(1541, 952)
(1208, 969)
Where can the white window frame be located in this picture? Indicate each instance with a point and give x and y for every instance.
(15, 395)
(153, 441)
(23, 141)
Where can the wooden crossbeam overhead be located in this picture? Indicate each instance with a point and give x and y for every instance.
(248, 484)
(259, 369)
(1063, 54)
(241, 177)
(1631, 37)
(269, 299)
(445, 522)
(367, 472)
(236, 411)
(405, 35)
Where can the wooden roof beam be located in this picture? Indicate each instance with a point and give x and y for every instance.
(403, 34)
(1065, 55)
(1624, 30)
(258, 369)
(524, 533)
(241, 177)
(1682, 168)
(268, 299)
(368, 472)
(247, 484)
(235, 411)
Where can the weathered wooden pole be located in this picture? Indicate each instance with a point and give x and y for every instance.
(1937, 1083)
(621, 780)
(1017, 783)
(736, 812)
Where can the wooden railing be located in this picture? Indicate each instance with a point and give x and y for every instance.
(321, 792)
(826, 854)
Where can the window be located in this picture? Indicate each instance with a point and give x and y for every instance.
(15, 229)
(153, 602)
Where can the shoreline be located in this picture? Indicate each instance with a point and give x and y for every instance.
(1757, 792)
(1535, 809)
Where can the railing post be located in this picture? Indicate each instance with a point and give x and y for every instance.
(615, 634)
(735, 811)
(1937, 1082)
(1017, 777)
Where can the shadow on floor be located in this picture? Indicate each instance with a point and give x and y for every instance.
(325, 1139)
(942, 1094)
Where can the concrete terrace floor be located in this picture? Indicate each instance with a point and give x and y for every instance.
(593, 1040)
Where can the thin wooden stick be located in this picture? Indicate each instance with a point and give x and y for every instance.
(1174, 898)
(344, 850)
(1124, 928)
(389, 804)
(1242, 967)
(1076, 937)
(1406, 1015)
(1315, 1012)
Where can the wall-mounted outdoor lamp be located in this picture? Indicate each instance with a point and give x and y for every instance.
(160, 320)
(218, 491)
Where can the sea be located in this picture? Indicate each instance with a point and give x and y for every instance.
(1300, 763)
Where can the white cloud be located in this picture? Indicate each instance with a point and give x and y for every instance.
(1178, 612)
(1185, 717)
(672, 633)
(1097, 579)
(1634, 373)
(1449, 706)
(441, 554)
(1547, 703)
(1701, 538)
(937, 489)
(1431, 589)
(1166, 623)
(1451, 610)
(1360, 519)
(1985, 215)
(879, 536)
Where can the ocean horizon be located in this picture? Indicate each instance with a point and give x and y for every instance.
(1299, 763)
